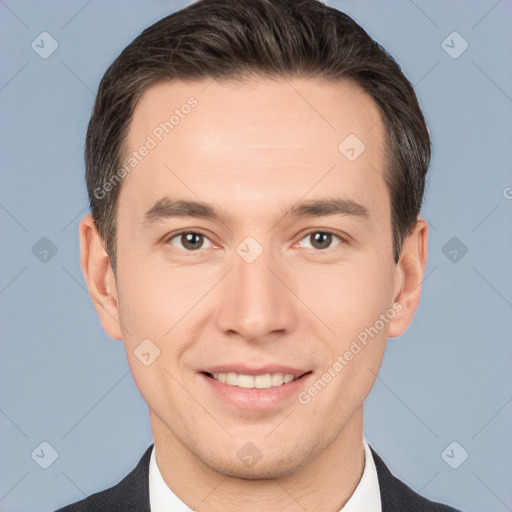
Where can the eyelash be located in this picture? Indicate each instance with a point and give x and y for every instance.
(199, 232)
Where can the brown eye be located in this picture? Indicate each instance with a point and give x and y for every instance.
(320, 240)
(192, 241)
(189, 241)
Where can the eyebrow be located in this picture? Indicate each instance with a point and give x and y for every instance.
(330, 206)
(167, 208)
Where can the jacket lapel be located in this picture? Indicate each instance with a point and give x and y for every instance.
(393, 492)
(133, 491)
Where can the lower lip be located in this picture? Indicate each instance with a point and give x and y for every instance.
(256, 398)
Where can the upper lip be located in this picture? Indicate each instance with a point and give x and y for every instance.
(255, 370)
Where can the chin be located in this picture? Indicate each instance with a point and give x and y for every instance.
(268, 463)
(262, 470)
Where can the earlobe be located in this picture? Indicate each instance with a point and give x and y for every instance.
(410, 270)
(100, 277)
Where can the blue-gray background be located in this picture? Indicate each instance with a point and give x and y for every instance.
(447, 379)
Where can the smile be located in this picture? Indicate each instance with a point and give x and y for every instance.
(255, 389)
(264, 381)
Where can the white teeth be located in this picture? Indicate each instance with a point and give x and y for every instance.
(245, 381)
(232, 379)
(277, 379)
(264, 381)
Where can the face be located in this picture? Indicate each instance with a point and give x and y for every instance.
(255, 247)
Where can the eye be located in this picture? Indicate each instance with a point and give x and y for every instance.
(320, 240)
(190, 241)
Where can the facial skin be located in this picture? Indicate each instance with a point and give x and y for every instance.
(252, 151)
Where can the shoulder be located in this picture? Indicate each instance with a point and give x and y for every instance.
(130, 494)
(397, 496)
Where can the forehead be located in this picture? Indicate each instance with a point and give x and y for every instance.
(271, 138)
(323, 111)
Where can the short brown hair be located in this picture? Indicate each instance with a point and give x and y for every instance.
(239, 39)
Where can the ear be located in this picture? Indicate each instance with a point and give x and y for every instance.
(100, 277)
(408, 278)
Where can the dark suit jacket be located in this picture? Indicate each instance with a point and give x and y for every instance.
(132, 493)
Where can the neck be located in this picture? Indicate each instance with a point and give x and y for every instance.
(325, 482)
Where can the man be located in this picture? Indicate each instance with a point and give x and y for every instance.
(256, 172)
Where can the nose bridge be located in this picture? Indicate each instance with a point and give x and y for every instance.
(254, 302)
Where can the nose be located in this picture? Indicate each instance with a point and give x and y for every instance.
(255, 303)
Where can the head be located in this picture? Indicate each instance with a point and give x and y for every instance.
(291, 150)
(231, 40)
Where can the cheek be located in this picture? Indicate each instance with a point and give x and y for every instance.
(348, 298)
(166, 307)
(153, 299)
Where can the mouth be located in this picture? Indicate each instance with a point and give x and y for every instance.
(254, 389)
(260, 381)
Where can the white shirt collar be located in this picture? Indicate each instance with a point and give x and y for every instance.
(365, 498)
